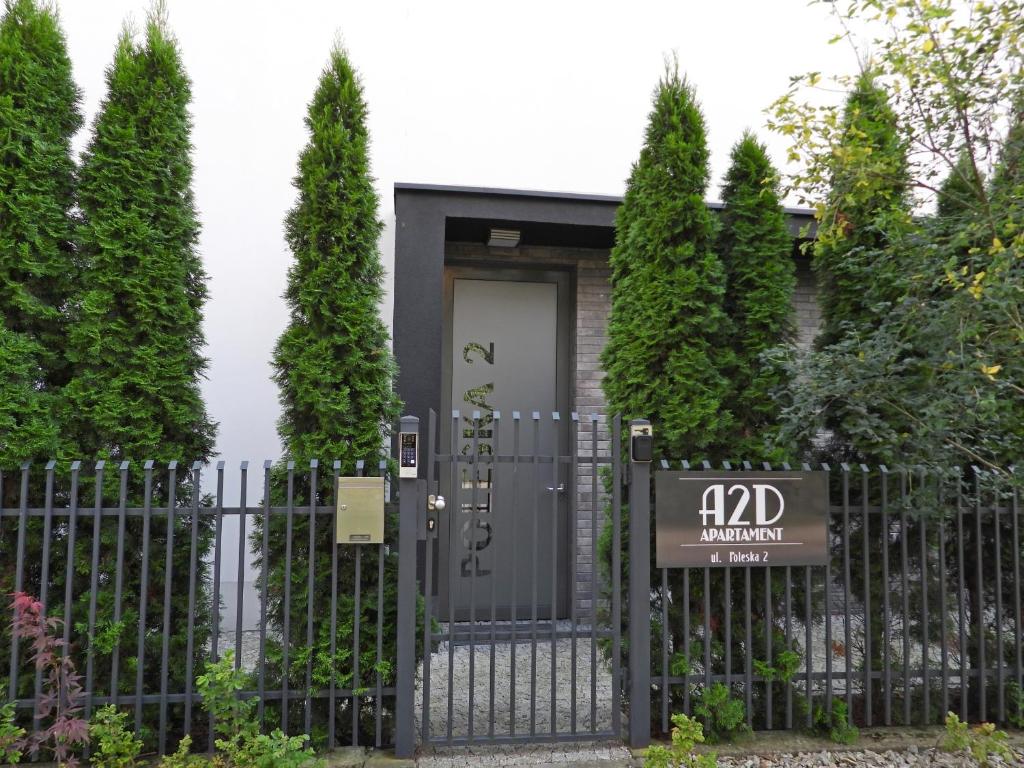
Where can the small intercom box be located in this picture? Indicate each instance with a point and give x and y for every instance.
(360, 510)
(408, 455)
(641, 443)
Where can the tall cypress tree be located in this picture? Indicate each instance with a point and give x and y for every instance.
(867, 207)
(39, 114)
(334, 370)
(756, 251)
(137, 340)
(664, 358)
(332, 364)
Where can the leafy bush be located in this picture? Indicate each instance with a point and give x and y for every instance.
(723, 715)
(10, 736)
(62, 697)
(183, 757)
(685, 734)
(834, 722)
(982, 742)
(235, 725)
(116, 746)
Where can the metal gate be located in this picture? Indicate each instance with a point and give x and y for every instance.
(521, 636)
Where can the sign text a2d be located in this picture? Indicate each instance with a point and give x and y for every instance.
(712, 519)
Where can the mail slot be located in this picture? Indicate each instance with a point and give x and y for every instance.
(360, 510)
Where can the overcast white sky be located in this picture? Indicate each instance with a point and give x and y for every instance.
(537, 95)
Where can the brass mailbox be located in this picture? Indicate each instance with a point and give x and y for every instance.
(360, 510)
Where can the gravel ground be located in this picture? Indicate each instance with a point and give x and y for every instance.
(911, 757)
(481, 688)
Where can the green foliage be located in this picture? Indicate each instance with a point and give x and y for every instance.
(235, 725)
(834, 723)
(136, 342)
(182, 757)
(757, 254)
(686, 733)
(11, 735)
(664, 358)
(332, 364)
(921, 359)
(335, 375)
(724, 716)
(39, 114)
(1015, 705)
(983, 742)
(785, 667)
(115, 745)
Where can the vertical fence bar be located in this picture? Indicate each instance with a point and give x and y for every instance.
(115, 661)
(406, 617)
(707, 627)
(378, 724)
(594, 570)
(140, 645)
(454, 521)
(357, 611)
(286, 634)
(997, 540)
(332, 692)
(513, 519)
(978, 620)
(192, 586)
(554, 570)
(243, 511)
(533, 580)
(571, 484)
(925, 684)
(310, 589)
(864, 500)
(664, 651)
(45, 572)
(428, 592)
(616, 596)
(639, 599)
(905, 591)
(69, 575)
(94, 588)
(261, 680)
(474, 562)
(218, 525)
(748, 683)
(828, 615)
(768, 630)
(172, 492)
(961, 596)
(1017, 592)
(886, 589)
(847, 646)
(492, 497)
(943, 602)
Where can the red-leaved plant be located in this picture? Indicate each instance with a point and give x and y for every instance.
(60, 703)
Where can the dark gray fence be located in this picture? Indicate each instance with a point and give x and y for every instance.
(130, 562)
(918, 612)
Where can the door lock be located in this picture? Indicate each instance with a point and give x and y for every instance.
(435, 503)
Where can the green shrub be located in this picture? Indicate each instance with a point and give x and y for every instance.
(237, 731)
(116, 746)
(183, 757)
(686, 733)
(724, 716)
(10, 736)
(834, 722)
(982, 742)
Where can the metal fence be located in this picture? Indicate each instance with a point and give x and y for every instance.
(917, 613)
(130, 563)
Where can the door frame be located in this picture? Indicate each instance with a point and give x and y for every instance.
(564, 312)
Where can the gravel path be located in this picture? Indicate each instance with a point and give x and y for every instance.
(912, 757)
(503, 698)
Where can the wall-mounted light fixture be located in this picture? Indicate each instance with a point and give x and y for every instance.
(503, 238)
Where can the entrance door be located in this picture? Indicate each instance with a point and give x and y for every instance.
(507, 350)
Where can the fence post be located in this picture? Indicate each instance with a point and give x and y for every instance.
(639, 599)
(405, 631)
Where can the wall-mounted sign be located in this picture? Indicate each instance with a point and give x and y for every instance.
(715, 519)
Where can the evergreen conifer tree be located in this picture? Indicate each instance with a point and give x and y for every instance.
(335, 372)
(867, 206)
(39, 114)
(332, 364)
(664, 358)
(757, 253)
(137, 340)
